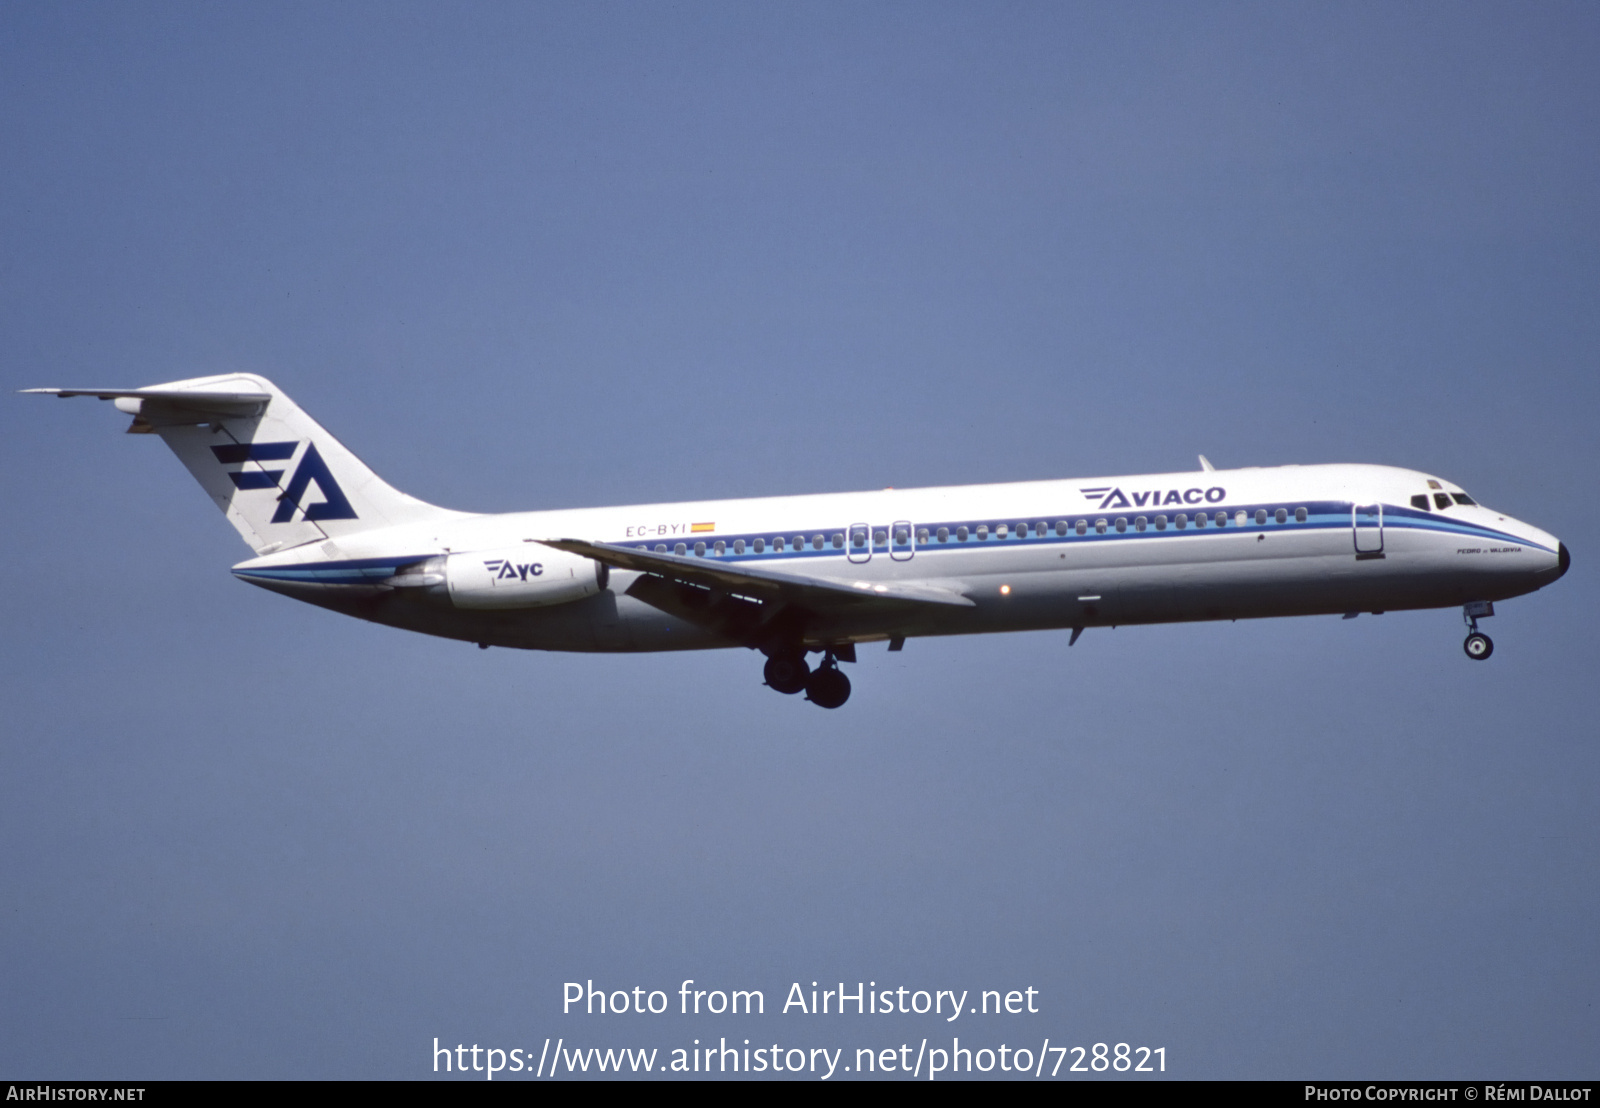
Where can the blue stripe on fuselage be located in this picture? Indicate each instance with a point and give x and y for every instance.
(1321, 516)
(354, 571)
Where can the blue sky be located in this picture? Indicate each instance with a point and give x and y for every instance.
(524, 256)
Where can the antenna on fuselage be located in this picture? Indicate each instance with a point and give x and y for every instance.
(1205, 464)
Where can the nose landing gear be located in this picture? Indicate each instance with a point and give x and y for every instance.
(1478, 645)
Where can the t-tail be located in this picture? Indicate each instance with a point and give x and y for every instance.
(280, 478)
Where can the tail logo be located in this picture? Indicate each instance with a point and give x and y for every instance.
(311, 468)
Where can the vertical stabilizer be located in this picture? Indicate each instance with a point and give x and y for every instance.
(280, 478)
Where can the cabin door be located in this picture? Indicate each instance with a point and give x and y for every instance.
(902, 540)
(1366, 521)
(860, 547)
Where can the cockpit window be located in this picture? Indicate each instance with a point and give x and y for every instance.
(1420, 501)
(1442, 500)
(1463, 498)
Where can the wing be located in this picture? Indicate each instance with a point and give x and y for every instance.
(760, 584)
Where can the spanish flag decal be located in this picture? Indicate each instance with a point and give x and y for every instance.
(701, 528)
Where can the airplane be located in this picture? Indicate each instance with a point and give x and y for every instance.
(801, 575)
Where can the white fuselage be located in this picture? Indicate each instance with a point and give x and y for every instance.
(1224, 544)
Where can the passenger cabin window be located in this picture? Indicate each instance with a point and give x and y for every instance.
(961, 534)
(943, 534)
(1000, 531)
(983, 532)
(1281, 515)
(661, 548)
(1182, 521)
(1099, 526)
(721, 548)
(1122, 523)
(1061, 528)
(679, 549)
(922, 535)
(1140, 523)
(1199, 519)
(1261, 517)
(1161, 523)
(1442, 500)
(838, 540)
(700, 550)
(1083, 527)
(761, 544)
(1299, 515)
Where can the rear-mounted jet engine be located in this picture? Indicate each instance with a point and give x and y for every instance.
(528, 575)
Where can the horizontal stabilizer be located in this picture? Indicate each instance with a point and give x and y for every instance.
(175, 405)
(760, 584)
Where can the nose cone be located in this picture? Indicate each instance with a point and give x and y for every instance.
(1563, 560)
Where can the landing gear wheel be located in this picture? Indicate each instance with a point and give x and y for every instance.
(828, 688)
(1478, 646)
(787, 673)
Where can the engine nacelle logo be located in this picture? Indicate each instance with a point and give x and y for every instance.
(501, 569)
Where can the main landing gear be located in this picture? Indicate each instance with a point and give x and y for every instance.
(828, 686)
(1478, 645)
(825, 686)
(787, 673)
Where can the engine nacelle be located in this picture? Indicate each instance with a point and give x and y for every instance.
(528, 575)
